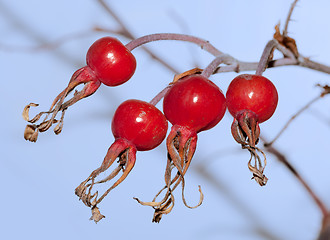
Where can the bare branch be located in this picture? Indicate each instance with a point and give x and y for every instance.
(288, 19)
(46, 45)
(266, 56)
(323, 93)
(282, 158)
(129, 35)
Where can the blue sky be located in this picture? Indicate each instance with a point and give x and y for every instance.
(39, 179)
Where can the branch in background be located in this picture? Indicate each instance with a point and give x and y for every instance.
(46, 45)
(226, 192)
(326, 90)
(282, 158)
(325, 230)
(320, 116)
(130, 36)
(15, 20)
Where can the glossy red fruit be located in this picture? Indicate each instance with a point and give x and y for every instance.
(136, 125)
(140, 123)
(194, 102)
(252, 92)
(112, 63)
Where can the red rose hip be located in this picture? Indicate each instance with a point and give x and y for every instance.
(195, 103)
(252, 92)
(251, 99)
(111, 61)
(192, 104)
(108, 62)
(136, 126)
(140, 123)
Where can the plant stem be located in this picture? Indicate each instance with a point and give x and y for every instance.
(173, 36)
(266, 57)
(212, 67)
(160, 95)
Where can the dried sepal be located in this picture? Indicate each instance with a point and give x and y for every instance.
(31, 133)
(245, 130)
(96, 215)
(45, 125)
(58, 128)
(126, 153)
(26, 110)
(82, 76)
(181, 147)
(164, 209)
(256, 166)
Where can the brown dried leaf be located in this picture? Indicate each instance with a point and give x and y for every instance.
(286, 41)
(326, 89)
(277, 35)
(25, 113)
(30, 133)
(177, 77)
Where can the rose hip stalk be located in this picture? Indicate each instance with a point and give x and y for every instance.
(193, 104)
(136, 126)
(108, 62)
(251, 99)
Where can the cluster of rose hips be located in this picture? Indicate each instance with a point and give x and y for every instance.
(191, 104)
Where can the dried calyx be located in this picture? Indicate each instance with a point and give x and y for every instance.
(82, 76)
(245, 130)
(181, 148)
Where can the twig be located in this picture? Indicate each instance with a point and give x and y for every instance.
(288, 19)
(214, 65)
(205, 45)
(266, 56)
(326, 91)
(160, 95)
(252, 66)
(129, 35)
(46, 45)
(291, 119)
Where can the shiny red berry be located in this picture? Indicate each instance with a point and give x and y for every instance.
(112, 63)
(194, 102)
(140, 123)
(252, 92)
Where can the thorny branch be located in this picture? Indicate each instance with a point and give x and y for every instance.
(288, 19)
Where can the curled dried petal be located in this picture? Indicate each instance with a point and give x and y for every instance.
(44, 126)
(84, 76)
(26, 110)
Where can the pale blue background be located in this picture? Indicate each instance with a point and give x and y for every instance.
(38, 179)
